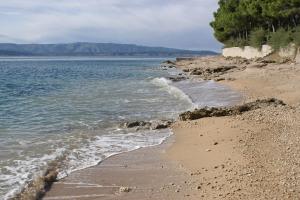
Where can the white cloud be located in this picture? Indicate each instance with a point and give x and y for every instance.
(150, 22)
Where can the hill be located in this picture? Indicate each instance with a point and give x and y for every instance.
(93, 49)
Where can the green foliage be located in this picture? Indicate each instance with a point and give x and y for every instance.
(258, 37)
(236, 42)
(296, 36)
(280, 38)
(246, 20)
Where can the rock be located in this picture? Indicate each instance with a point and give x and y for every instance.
(135, 124)
(258, 65)
(50, 176)
(222, 69)
(210, 73)
(219, 79)
(230, 79)
(125, 189)
(168, 64)
(177, 79)
(236, 110)
(155, 125)
(196, 72)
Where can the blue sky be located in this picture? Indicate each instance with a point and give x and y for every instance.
(171, 23)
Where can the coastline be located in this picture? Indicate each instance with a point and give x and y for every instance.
(217, 157)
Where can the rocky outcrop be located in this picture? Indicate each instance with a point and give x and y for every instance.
(247, 52)
(168, 64)
(38, 187)
(211, 73)
(236, 110)
(152, 125)
(288, 52)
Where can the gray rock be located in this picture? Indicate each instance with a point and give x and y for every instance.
(135, 124)
(142, 125)
(236, 110)
(177, 79)
(162, 124)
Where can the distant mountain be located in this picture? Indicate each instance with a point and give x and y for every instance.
(93, 49)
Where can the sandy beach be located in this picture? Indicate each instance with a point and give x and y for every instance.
(252, 155)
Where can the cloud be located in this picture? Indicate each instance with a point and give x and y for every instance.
(174, 23)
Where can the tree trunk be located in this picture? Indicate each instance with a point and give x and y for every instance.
(273, 28)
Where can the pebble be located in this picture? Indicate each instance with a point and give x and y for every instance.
(125, 189)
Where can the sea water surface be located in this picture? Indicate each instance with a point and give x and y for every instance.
(68, 110)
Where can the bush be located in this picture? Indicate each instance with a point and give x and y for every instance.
(280, 39)
(258, 38)
(296, 36)
(236, 42)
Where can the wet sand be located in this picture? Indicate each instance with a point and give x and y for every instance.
(144, 172)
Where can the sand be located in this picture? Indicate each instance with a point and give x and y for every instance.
(255, 155)
(258, 151)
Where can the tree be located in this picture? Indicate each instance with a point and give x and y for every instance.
(236, 20)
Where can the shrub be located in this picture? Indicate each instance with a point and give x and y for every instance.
(236, 42)
(296, 36)
(258, 38)
(280, 39)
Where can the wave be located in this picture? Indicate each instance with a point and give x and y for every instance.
(166, 85)
(88, 155)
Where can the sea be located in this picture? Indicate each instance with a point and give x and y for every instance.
(68, 111)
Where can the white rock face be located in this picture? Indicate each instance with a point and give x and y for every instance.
(247, 52)
(288, 52)
(298, 56)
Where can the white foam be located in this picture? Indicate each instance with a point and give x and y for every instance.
(173, 90)
(25, 171)
(88, 155)
(109, 145)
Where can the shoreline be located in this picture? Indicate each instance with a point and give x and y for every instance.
(216, 157)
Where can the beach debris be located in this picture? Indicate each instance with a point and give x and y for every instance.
(125, 189)
(236, 110)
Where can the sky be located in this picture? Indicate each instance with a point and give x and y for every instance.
(171, 23)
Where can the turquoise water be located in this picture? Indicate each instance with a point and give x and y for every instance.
(68, 110)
